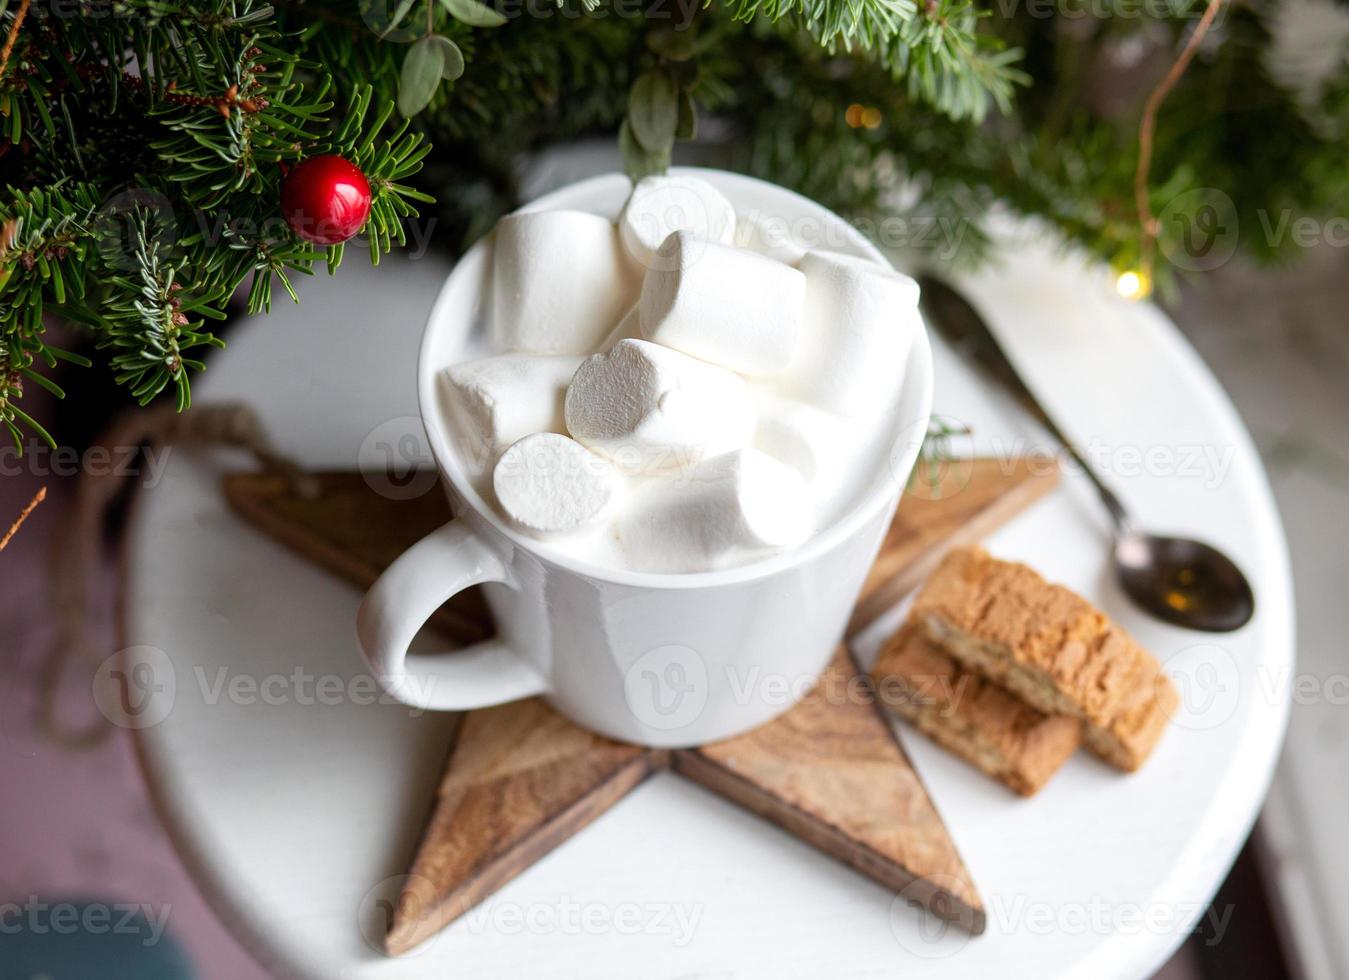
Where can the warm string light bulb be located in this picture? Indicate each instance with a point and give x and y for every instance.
(860, 116)
(1133, 284)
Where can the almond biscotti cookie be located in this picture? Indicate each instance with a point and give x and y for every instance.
(1051, 648)
(972, 717)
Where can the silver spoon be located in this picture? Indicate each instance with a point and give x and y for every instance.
(1178, 580)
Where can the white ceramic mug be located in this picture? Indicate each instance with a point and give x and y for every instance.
(655, 659)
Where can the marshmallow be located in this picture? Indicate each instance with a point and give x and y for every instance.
(549, 485)
(651, 409)
(658, 206)
(628, 328)
(560, 282)
(723, 304)
(819, 445)
(768, 235)
(860, 318)
(730, 509)
(494, 401)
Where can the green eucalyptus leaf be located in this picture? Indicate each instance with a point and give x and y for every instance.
(473, 13)
(452, 59)
(422, 69)
(399, 13)
(638, 161)
(653, 111)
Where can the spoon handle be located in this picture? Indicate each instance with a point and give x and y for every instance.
(960, 323)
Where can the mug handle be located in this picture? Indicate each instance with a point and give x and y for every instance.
(446, 561)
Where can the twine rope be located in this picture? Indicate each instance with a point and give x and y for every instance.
(77, 547)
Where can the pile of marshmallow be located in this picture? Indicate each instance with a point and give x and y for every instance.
(667, 399)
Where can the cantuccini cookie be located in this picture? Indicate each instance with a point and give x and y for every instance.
(1051, 648)
(972, 717)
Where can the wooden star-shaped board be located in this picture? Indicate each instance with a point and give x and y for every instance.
(520, 778)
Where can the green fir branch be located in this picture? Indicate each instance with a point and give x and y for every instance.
(153, 321)
(176, 120)
(145, 157)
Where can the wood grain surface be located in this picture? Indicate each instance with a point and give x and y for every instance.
(831, 772)
(520, 778)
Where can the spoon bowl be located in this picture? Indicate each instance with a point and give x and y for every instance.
(1183, 581)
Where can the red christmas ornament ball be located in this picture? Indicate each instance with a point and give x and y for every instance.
(325, 199)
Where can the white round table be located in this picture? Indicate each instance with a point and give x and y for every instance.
(297, 803)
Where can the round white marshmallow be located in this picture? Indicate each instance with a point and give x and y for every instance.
(729, 509)
(723, 304)
(660, 205)
(651, 409)
(561, 280)
(496, 400)
(860, 319)
(550, 485)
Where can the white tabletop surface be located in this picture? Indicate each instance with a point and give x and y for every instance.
(297, 803)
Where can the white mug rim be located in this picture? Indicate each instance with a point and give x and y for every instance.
(877, 495)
